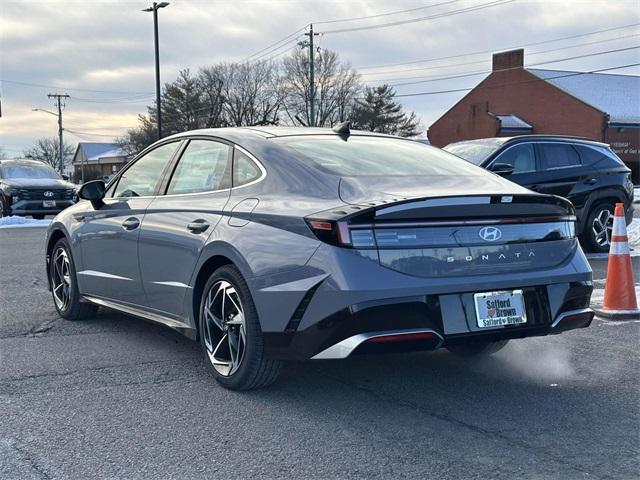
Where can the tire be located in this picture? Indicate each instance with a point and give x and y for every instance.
(4, 212)
(38, 216)
(594, 238)
(477, 348)
(231, 327)
(64, 284)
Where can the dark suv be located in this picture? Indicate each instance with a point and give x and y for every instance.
(29, 187)
(588, 173)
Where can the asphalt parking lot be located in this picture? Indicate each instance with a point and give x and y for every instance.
(116, 397)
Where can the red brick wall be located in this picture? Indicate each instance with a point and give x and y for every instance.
(547, 108)
(626, 143)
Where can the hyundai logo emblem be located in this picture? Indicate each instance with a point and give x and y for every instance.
(48, 194)
(490, 234)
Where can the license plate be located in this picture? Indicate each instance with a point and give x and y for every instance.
(497, 309)
(48, 203)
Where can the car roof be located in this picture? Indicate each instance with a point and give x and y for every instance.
(233, 133)
(22, 161)
(535, 137)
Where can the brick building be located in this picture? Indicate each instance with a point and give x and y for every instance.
(514, 100)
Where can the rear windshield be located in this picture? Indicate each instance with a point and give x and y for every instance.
(475, 152)
(366, 156)
(27, 170)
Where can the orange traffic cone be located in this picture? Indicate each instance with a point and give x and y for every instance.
(620, 301)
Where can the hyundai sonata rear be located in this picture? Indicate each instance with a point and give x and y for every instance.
(275, 244)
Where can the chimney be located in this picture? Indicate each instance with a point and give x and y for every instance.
(510, 59)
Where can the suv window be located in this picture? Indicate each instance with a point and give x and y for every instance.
(557, 155)
(203, 167)
(244, 169)
(521, 157)
(592, 155)
(141, 178)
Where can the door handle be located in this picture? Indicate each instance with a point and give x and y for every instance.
(198, 226)
(131, 223)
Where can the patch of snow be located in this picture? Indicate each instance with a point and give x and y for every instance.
(14, 221)
(636, 195)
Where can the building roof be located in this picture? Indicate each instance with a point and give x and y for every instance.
(95, 151)
(616, 95)
(116, 152)
(513, 122)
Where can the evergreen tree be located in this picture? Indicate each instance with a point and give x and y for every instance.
(379, 112)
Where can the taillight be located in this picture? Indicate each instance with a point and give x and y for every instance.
(335, 232)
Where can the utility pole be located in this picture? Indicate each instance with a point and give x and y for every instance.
(154, 8)
(60, 105)
(312, 86)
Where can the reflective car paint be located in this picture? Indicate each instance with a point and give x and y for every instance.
(261, 229)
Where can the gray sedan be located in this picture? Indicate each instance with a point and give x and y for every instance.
(272, 244)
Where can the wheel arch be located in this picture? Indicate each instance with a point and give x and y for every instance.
(612, 195)
(211, 260)
(54, 236)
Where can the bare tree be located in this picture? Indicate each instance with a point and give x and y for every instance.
(3, 154)
(46, 149)
(251, 93)
(336, 86)
(139, 138)
(212, 81)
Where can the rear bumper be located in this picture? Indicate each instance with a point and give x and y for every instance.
(429, 322)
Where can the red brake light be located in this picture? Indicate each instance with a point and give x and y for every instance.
(334, 232)
(320, 225)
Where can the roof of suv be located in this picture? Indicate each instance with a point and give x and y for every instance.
(535, 137)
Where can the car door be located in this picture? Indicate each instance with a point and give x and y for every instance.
(108, 236)
(522, 157)
(178, 223)
(561, 168)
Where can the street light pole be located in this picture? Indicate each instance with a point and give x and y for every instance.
(154, 8)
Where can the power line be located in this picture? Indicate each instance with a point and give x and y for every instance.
(422, 19)
(572, 74)
(469, 74)
(76, 133)
(274, 44)
(397, 12)
(468, 54)
(284, 48)
(40, 85)
(484, 61)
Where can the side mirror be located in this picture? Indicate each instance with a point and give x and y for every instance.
(94, 192)
(65, 177)
(502, 168)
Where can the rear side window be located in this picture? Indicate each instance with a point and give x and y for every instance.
(244, 169)
(521, 157)
(141, 178)
(557, 155)
(203, 167)
(596, 154)
(368, 156)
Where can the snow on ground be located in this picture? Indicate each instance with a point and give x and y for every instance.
(15, 221)
(636, 195)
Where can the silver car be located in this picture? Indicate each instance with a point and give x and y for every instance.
(272, 244)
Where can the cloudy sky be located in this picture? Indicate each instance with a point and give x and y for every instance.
(101, 52)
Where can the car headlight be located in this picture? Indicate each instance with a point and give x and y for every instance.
(14, 194)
